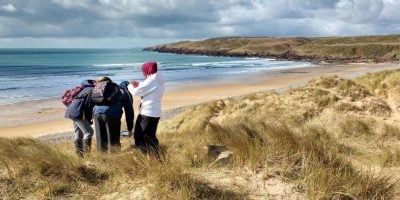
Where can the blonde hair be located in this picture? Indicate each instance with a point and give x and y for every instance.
(101, 79)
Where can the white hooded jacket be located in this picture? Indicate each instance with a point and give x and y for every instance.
(151, 90)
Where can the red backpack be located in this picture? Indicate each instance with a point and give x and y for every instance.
(69, 95)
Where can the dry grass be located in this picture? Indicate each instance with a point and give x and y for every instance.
(332, 139)
(31, 170)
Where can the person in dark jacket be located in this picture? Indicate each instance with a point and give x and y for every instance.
(107, 119)
(80, 111)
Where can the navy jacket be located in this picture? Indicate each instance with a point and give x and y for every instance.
(115, 110)
(82, 104)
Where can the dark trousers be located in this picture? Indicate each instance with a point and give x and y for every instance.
(107, 133)
(145, 133)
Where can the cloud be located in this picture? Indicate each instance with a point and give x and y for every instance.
(196, 19)
(80, 42)
(8, 8)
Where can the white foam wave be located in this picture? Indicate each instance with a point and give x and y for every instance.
(118, 65)
(250, 62)
(258, 58)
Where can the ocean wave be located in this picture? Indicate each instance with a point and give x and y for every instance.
(118, 65)
(235, 63)
(258, 58)
(9, 88)
(176, 68)
(104, 74)
(30, 78)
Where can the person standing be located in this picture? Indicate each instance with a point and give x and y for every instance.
(80, 111)
(108, 113)
(151, 91)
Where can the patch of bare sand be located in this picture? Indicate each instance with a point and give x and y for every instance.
(254, 185)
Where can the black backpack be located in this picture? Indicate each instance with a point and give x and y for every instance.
(105, 93)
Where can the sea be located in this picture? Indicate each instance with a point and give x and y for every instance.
(38, 74)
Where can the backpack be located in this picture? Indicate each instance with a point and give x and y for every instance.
(104, 93)
(69, 95)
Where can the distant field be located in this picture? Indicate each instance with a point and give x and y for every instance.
(329, 49)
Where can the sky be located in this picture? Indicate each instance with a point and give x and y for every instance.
(141, 23)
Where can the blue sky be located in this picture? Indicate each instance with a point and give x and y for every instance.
(140, 23)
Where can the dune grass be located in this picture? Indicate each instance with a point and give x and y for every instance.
(36, 170)
(329, 139)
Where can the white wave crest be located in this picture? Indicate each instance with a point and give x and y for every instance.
(118, 65)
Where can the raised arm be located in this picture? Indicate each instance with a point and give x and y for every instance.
(146, 87)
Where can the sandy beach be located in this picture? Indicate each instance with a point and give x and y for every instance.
(45, 117)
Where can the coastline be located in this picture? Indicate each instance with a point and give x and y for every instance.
(313, 49)
(45, 117)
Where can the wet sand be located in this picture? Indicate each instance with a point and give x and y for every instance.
(40, 118)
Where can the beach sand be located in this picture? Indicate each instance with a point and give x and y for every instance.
(45, 117)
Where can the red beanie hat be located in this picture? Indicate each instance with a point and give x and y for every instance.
(149, 68)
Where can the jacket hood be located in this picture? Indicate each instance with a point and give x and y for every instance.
(87, 83)
(149, 68)
(159, 77)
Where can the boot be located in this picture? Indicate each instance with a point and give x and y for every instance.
(79, 148)
(87, 145)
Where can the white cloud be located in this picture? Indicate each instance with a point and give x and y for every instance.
(196, 19)
(359, 11)
(391, 11)
(69, 4)
(79, 42)
(8, 8)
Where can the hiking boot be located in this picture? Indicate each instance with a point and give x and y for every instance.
(79, 148)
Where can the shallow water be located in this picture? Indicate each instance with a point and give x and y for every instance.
(35, 74)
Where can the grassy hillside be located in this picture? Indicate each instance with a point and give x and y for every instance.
(332, 139)
(332, 49)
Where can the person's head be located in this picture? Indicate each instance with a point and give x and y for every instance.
(149, 68)
(102, 79)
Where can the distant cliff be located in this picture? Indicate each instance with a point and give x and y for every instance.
(329, 49)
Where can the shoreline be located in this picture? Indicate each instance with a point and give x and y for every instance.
(46, 117)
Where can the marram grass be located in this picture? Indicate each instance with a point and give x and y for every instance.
(324, 138)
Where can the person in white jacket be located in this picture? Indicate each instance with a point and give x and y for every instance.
(151, 91)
